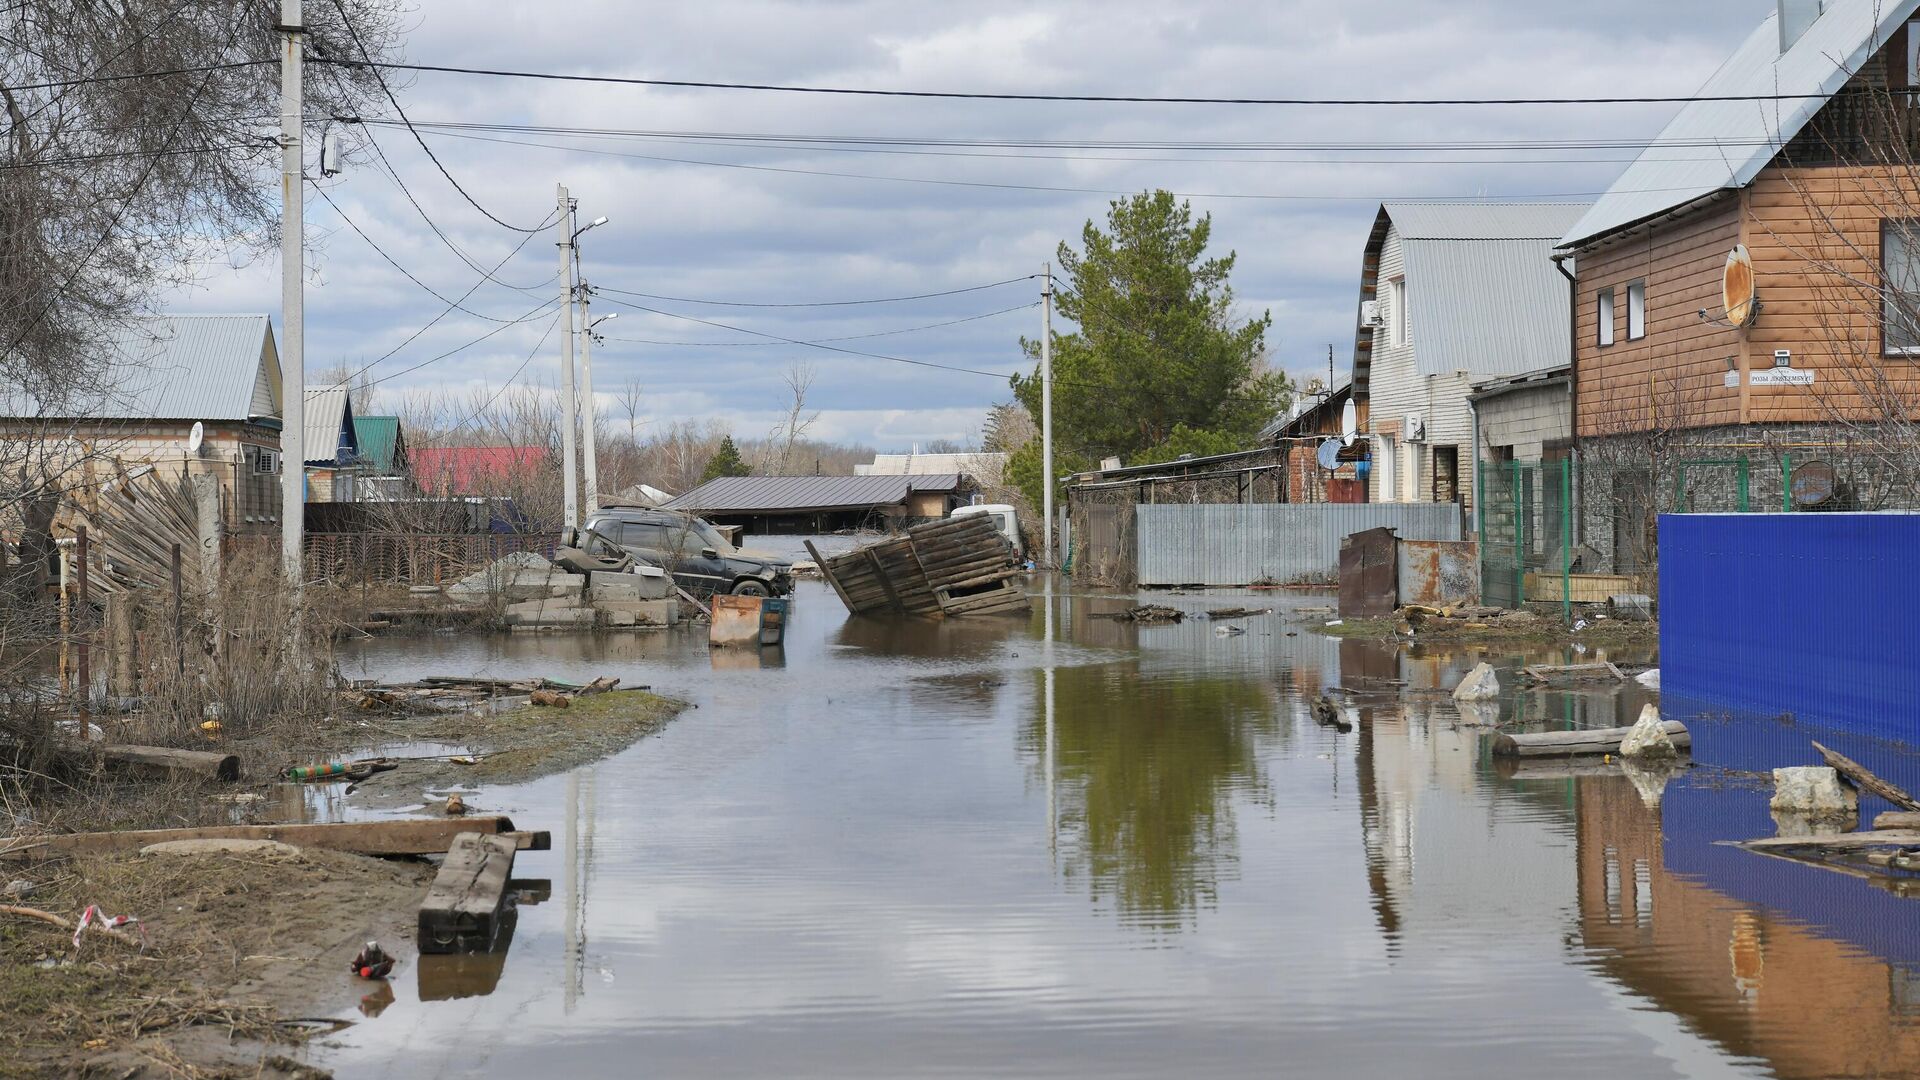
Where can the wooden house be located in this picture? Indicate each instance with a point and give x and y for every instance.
(1748, 290)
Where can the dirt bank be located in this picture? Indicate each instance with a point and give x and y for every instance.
(240, 951)
(1533, 630)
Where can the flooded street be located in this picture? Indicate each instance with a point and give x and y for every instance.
(917, 848)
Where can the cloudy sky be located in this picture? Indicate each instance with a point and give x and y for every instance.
(773, 219)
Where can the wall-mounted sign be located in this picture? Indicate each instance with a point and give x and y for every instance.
(1813, 483)
(1780, 376)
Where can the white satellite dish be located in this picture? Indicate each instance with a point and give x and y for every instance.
(1349, 423)
(196, 437)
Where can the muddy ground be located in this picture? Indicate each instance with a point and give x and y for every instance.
(245, 957)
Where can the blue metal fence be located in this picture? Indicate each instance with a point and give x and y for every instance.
(1808, 618)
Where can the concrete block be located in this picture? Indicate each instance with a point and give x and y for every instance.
(549, 611)
(1648, 738)
(646, 583)
(644, 612)
(1813, 790)
(1481, 684)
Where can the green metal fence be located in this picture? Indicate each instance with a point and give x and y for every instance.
(1567, 531)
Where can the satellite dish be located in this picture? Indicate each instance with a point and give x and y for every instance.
(1349, 423)
(1737, 287)
(196, 437)
(1330, 454)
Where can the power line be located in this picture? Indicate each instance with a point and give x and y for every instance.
(391, 261)
(1137, 99)
(85, 159)
(1052, 188)
(817, 303)
(93, 80)
(450, 352)
(375, 69)
(817, 341)
(516, 374)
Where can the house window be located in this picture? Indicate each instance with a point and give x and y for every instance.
(1603, 314)
(1636, 310)
(1900, 297)
(1399, 318)
(1389, 491)
(1446, 474)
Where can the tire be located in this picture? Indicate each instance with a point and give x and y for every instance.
(751, 587)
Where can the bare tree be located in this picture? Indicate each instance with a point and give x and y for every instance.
(777, 455)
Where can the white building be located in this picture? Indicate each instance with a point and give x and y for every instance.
(1451, 294)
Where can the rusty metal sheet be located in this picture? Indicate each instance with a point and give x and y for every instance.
(1368, 573)
(1435, 572)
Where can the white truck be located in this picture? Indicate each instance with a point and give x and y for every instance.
(1004, 519)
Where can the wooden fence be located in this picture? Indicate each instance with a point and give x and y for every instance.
(412, 558)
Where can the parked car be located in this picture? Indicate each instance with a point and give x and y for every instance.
(693, 551)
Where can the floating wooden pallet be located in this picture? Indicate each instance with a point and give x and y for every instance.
(959, 566)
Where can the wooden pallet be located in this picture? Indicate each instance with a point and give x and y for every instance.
(958, 566)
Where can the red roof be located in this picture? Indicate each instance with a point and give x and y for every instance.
(472, 470)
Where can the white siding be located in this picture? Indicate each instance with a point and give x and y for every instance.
(1398, 389)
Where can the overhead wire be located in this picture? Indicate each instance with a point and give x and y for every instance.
(488, 404)
(818, 303)
(1138, 99)
(410, 276)
(92, 80)
(402, 113)
(817, 341)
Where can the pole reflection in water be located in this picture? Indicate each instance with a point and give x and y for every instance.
(1053, 820)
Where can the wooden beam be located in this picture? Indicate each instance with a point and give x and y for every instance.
(404, 836)
(826, 571)
(1852, 841)
(1569, 743)
(168, 760)
(886, 583)
(1897, 819)
(462, 910)
(1865, 780)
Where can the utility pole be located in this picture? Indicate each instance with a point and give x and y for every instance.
(569, 489)
(293, 371)
(1046, 414)
(587, 421)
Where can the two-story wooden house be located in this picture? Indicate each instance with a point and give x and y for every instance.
(1748, 289)
(1451, 294)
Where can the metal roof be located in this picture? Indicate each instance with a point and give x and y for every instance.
(328, 428)
(794, 494)
(1483, 221)
(1711, 146)
(1485, 294)
(178, 367)
(378, 438)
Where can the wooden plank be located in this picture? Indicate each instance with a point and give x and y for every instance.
(403, 836)
(826, 571)
(1865, 780)
(1853, 841)
(1573, 672)
(1897, 820)
(461, 912)
(886, 582)
(1568, 743)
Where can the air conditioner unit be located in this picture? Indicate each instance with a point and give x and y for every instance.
(1416, 430)
(1371, 315)
(266, 462)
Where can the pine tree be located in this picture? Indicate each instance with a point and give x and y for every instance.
(726, 461)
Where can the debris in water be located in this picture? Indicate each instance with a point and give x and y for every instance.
(372, 962)
(1152, 613)
(1481, 684)
(1237, 612)
(1228, 631)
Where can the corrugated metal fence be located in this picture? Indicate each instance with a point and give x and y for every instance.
(1804, 617)
(1241, 544)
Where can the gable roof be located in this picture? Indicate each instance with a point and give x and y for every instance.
(328, 436)
(175, 367)
(459, 470)
(1485, 294)
(1712, 146)
(380, 441)
(800, 494)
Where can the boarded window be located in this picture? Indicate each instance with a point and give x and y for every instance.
(1603, 312)
(1900, 299)
(1636, 310)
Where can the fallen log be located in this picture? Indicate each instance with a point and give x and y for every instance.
(405, 836)
(551, 699)
(1866, 781)
(462, 910)
(1897, 819)
(1572, 743)
(162, 759)
(1547, 673)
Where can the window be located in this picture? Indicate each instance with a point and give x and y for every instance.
(1399, 319)
(1636, 310)
(1446, 474)
(1603, 314)
(633, 534)
(1900, 296)
(1388, 491)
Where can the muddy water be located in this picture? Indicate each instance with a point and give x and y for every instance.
(898, 849)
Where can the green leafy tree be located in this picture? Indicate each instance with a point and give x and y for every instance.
(1159, 364)
(726, 461)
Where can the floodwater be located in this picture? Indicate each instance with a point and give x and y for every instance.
(959, 849)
